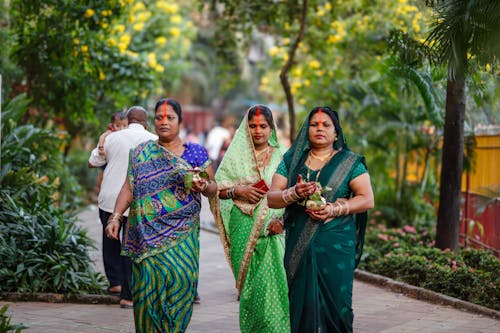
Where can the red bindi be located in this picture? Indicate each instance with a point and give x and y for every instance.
(320, 118)
(165, 113)
(257, 115)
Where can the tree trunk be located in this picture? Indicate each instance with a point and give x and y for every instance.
(448, 223)
(288, 65)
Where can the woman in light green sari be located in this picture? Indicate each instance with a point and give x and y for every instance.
(326, 191)
(251, 232)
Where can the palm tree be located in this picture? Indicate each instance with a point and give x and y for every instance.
(463, 29)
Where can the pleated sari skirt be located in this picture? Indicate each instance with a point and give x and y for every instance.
(164, 288)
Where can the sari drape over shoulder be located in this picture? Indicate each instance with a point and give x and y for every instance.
(255, 257)
(320, 258)
(162, 236)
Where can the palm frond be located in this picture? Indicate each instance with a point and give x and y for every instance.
(424, 83)
(463, 28)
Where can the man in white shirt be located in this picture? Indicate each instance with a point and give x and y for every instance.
(216, 138)
(116, 148)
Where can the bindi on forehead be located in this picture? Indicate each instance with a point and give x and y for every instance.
(320, 118)
(257, 115)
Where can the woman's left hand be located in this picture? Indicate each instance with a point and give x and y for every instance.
(275, 228)
(324, 214)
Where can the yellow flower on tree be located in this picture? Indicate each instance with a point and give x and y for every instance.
(132, 54)
(120, 28)
(332, 39)
(175, 32)
(297, 71)
(102, 76)
(161, 41)
(76, 41)
(159, 68)
(89, 13)
(85, 48)
(273, 51)
(138, 6)
(111, 42)
(125, 39)
(122, 47)
(138, 26)
(314, 64)
(176, 19)
(143, 16)
(152, 60)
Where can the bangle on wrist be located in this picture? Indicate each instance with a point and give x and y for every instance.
(115, 217)
(230, 193)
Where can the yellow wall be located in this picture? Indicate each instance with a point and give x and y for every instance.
(486, 172)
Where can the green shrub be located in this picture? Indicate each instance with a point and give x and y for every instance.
(5, 325)
(407, 254)
(41, 247)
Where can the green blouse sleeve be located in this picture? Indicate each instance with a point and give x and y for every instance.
(282, 169)
(359, 169)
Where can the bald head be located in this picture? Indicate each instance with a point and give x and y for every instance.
(138, 115)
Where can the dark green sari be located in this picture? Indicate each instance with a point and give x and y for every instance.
(320, 258)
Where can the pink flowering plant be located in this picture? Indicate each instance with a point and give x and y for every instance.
(408, 254)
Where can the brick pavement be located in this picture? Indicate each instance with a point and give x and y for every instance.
(376, 309)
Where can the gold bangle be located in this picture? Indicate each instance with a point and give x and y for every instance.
(115, 217)
(347, 207)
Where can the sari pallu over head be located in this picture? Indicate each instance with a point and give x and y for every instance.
(162, 212)
(340, 165)
(240, 167)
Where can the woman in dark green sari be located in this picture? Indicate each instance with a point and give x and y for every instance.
(326, 190)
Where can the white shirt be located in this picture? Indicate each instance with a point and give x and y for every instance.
(215, 140)
(117, 148)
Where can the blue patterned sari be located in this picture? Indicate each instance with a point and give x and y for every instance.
(162, 236)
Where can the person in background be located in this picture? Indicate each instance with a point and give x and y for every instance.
(116, 149)
(326, 190)
(118, 122)
(216, 138)
(252, 233)
(166, 178)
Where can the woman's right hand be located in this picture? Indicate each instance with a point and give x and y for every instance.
(248, 193)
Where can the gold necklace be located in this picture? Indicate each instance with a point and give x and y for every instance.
(308, 174)
(261, 162)
(321, 158)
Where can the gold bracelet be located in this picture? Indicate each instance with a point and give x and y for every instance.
(338, 209)
(115, 217)
(347, 207)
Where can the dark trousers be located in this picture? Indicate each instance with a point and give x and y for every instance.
(118, 268)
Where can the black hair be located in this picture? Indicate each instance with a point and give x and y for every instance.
(173, 103)
(265, 111)
(118, 115)
(331, 113)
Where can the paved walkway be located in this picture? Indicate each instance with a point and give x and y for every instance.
(376, 309)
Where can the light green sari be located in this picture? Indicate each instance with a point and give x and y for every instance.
(255, 257)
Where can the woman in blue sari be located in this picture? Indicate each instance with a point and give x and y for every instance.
(326, 190)
(162, 234)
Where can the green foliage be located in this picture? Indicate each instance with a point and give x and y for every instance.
(407, 254)
(465, 27)
(83, 60)
(42, 248)
(5, 325)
